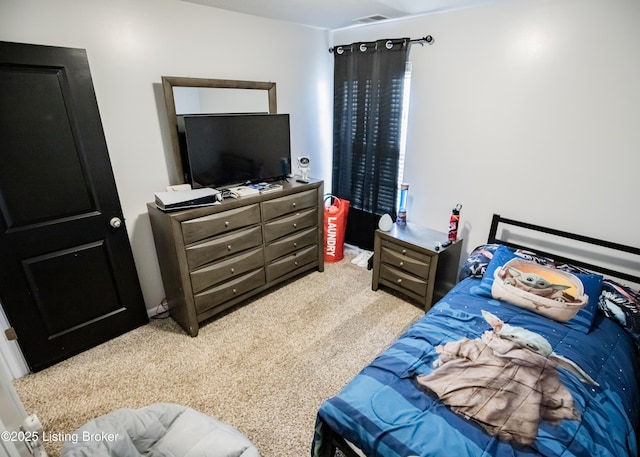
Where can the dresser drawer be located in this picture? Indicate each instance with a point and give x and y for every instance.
(290, 244)
(294, 202)
(292, 262)
(226, 269)
(216, 224)
(405, 262)
(221, 246)
(402, 281)
(280, 227)
(228, 290)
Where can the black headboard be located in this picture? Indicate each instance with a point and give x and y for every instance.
(630, 260)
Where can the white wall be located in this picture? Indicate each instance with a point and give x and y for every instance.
(530, 109)
(131, 44)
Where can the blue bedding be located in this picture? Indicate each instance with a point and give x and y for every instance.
(384, 413)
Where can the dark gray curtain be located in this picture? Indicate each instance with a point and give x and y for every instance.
(368, 96)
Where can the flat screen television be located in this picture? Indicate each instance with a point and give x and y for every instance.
(221, 150)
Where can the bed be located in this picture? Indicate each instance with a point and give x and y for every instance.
(473, 377)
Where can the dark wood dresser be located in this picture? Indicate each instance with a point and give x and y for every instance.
(213, 257)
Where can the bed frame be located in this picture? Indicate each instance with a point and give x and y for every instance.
(580, 252)
(338, 443)
(606, 251)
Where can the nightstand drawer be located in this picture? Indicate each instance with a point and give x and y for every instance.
(406, 252)
(290, 224)
(291, 243)
(400, 260)
(216, 224)
(228, 290)
(226, 269)
(402, 281)
(216, 248)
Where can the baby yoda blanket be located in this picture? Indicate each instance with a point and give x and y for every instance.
(392, 407)
(504, 387)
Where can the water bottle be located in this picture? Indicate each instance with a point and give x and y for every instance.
(454, 220)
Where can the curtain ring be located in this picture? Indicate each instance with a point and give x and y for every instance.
(388, 44)
(363, 47)
(340, 50)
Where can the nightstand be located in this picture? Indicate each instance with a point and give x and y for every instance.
(405, 259)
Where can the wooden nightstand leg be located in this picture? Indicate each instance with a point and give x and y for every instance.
(376, 262)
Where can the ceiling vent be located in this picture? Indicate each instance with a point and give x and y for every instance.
(370, 19)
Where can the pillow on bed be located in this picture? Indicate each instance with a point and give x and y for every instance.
(553, 293)
(476, 264)
(591, 286)
(622, 304)
(617, 302)
(500, 255)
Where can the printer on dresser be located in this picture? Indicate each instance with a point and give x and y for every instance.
(213, 257)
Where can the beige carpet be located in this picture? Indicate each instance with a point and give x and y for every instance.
(264, 368)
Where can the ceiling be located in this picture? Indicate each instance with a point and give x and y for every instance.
(337, 14)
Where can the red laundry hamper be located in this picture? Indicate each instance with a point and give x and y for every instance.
(335, 224)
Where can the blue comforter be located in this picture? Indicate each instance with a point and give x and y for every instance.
(384, 413)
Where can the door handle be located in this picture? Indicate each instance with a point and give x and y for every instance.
(115, 222)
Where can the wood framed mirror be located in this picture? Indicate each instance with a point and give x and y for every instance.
(184, 95)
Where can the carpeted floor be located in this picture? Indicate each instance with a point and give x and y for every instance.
(264, 368)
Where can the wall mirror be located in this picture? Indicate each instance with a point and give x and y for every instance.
(213, 96)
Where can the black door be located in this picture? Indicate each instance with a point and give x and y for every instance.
(68, 280)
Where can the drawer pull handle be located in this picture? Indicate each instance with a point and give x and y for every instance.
(226, 223)
(404, 251)
(234, 291)
(295, 263)
(233, 270)
(295, 225)
(293, 204)
(402, 264)
(399, 280)
(295, 245)
(228, 247)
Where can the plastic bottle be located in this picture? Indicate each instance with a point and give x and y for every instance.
(454, 220)
(402, 211)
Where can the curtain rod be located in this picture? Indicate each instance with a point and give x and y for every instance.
(426, 39)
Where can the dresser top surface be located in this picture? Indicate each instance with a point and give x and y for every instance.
(289, 188)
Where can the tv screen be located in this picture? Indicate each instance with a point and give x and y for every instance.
(221, 150)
